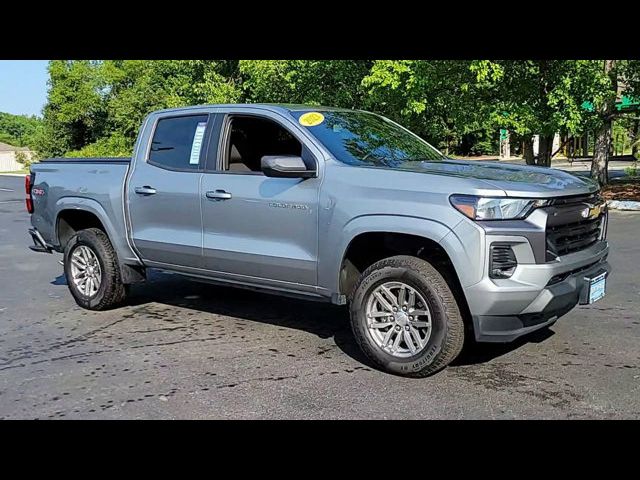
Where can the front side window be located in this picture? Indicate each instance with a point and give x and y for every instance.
(366, 139)
(251, 138)
(177, 142)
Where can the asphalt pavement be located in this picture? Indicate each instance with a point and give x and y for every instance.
(183, 349)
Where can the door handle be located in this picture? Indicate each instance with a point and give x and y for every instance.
(218, 195)
(146, 190)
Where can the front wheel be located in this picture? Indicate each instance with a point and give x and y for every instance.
(92, 270)
(405, 317)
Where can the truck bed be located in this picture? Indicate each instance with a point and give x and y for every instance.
(94, 184)
(87, 160)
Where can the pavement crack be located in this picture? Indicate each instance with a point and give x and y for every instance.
(56, 346)
(257, 379)
(176, 342)
(71, 356)
(166, 329)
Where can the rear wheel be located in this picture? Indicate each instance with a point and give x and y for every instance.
(92, 270)
(405, 317)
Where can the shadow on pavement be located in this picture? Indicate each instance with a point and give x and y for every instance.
(475, 353)
(317, 318)
(59, 280)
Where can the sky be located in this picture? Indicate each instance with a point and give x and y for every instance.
(23, 86)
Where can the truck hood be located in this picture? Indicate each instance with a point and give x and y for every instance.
(514, 180)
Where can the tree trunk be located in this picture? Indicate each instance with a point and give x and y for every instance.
(600, 161)
(636, 140)
(527, 150)
(585, 144)
(544, 150)
(603, 145)
(565, 145)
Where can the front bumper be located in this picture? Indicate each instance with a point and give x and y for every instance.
(535, 296)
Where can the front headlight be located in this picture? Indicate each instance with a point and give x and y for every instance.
(495, 208)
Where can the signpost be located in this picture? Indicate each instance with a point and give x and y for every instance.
(505, 148)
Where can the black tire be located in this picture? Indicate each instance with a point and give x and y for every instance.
(447, 337)
(112, 291)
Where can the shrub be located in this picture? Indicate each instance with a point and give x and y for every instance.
(24, 158)
(114, 146)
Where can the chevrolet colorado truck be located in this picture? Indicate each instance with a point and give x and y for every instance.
(329, 204)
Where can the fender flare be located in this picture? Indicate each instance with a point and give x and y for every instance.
(87, 205)
(404, 224)
(130, 273)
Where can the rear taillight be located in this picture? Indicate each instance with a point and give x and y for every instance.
(28, 183)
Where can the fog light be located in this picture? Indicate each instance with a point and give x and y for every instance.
(502, 262)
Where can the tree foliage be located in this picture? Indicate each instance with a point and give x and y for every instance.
(135, 88)
(18, 130)
(96, 107)
(437, 99)
(314, 82)
(533, 97)
(100, 105)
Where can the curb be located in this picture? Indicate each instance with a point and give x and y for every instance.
(12, 174)
(623, 205)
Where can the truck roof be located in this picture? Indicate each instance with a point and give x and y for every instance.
(280, 107)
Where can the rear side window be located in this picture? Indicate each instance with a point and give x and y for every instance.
(177, 142)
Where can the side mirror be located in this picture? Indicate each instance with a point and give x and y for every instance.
(285, 166)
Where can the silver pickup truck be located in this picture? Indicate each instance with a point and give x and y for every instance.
(329, 204)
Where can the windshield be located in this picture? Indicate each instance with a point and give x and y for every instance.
(366, 139)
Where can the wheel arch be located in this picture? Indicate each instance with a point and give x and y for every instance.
(75, 214)
(369, 239)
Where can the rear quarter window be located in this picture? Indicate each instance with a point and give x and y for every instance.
(177, 142)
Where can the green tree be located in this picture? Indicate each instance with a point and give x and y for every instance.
(138, 87)
(18, 130)
(315, 82)
(97, 107)
(609, 81)
(531, 97)
(101, 104)
(75, 113)
(436, 99)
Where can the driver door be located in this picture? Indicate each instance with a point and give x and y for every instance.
(259, 229)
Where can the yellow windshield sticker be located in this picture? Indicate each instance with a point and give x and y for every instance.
(311, 119)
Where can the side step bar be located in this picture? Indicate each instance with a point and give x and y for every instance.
(39, 245)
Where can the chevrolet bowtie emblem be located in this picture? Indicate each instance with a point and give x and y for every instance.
(592, 211)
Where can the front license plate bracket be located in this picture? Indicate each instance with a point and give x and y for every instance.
(594, 288)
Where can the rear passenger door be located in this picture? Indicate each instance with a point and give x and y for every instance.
(259, 229)
(164, 192)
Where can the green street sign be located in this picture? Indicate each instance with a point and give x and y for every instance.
(626, 103)
(504, 134)
(588, 106)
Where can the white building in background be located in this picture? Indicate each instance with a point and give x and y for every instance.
(555, 145)
(505, 147)
(8, 162)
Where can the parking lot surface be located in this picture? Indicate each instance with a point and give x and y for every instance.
(183, 349)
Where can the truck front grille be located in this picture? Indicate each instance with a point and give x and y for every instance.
(568, 230)
(573, 237)
(577, 199)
